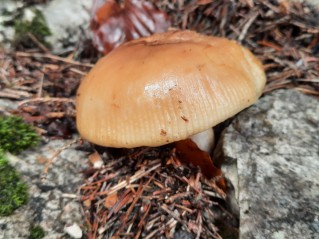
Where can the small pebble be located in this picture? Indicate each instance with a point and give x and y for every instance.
(73, 230)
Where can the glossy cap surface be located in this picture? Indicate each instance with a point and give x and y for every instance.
(165, 88)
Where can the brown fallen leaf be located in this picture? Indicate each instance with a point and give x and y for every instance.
(189, 153)
(110, 200)
(114, 23)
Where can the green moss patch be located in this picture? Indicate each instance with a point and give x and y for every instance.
(13, 191)
(36, 232)
(15, 135)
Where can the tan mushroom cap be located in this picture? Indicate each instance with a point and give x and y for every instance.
(165, 88)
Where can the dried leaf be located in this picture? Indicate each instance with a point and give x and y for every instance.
(110, 200)
(113, 23)
(189, 153)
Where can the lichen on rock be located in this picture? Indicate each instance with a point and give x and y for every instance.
(30, 21)
(19, 20)
(53, 23)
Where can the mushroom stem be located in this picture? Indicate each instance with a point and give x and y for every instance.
(204, 140)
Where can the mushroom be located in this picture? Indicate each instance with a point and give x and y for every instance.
(166, 88)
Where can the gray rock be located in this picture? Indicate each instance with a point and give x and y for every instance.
(276, 146)
(53, 203)
(7, 105)
(182, 234)
(7, 8)
(66, 20)
(311, 2)
(74, 230)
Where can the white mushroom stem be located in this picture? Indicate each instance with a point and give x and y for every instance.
(204, 140)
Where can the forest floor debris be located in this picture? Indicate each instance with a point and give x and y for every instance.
(158, 194)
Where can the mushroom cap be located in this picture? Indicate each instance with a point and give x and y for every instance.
(164, 88)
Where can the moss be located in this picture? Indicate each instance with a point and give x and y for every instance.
(37, 27)
(15, 135)
(13, 191)
(36, 232)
